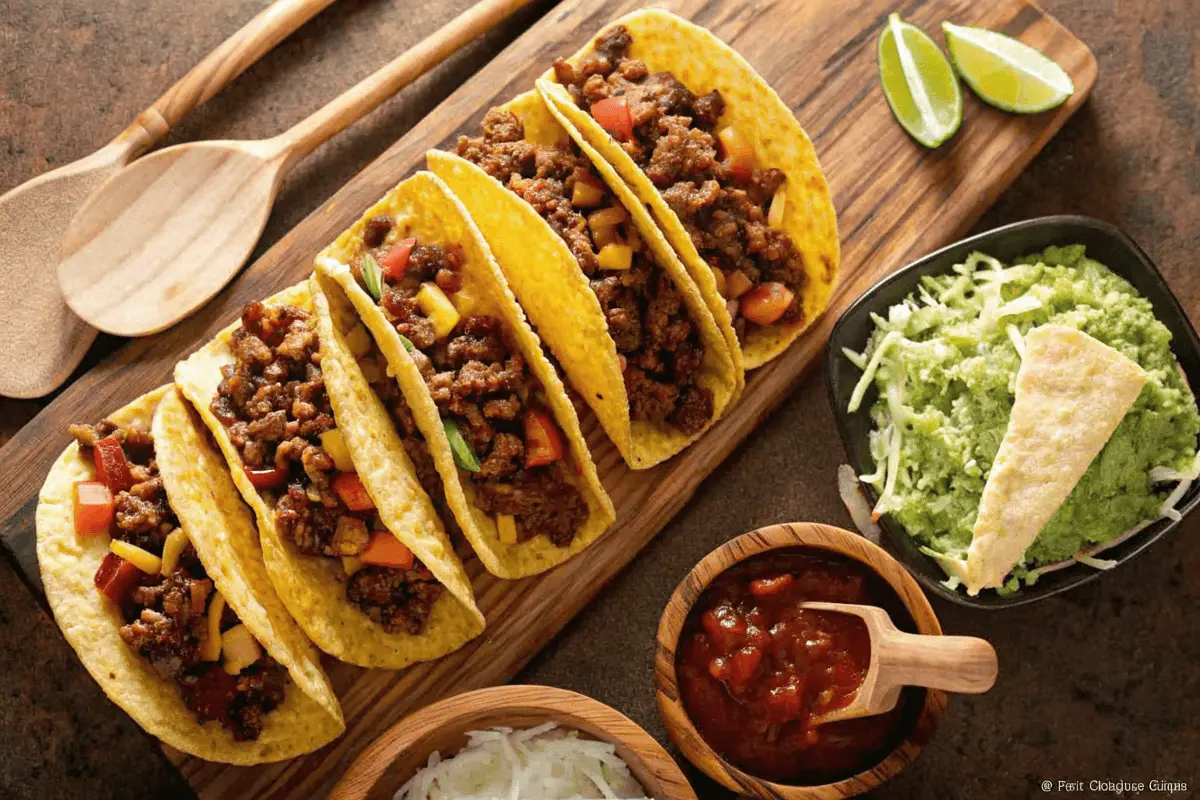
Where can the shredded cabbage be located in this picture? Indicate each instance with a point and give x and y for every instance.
(542, 763)
(943, 365)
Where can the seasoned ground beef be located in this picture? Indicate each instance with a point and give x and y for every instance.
(399, 600)
(647, 320)
(479, 381)
(272, 401)
(675, 142)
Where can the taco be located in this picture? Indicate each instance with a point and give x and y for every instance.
(500, 426)
(729, 174)
(151, 566)
(350, 540)
(599, 282)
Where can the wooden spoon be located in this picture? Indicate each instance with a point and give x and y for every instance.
(962, 664)
(157, 241)
(44, 341)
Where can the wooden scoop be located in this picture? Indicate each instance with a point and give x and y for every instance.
(44, 341)
(951, 663)
(157, 241)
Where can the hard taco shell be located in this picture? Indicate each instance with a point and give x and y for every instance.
(703, 63)
(429, 211)
(222, 531)
(313, 587)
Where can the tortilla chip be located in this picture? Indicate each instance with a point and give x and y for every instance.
(703, 63)
(1072, 391)
(558, 298)
(312, 587)
(222, 531)
(425, 207)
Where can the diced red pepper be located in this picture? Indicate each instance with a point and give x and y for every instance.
(543, 442)
(266, 478)
(766, 303)
(116, 578)
(396, 260)
(209, 697)
(353, 493)
(93, 508)
(112, 468)
(385, 550)
(612, 113)
(763, 587)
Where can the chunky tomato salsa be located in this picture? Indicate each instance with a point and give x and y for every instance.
(754, 668)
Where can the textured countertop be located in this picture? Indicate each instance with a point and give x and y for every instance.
(1100, 684)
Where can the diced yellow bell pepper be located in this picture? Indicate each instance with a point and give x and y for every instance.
(358, 340)
(615, 256)
(438, 308)
(210, 648)
(607, 217)
(143, 560)
(240, 647)
(333, 444)
(173, 547)
(351, 564)
(586, 195)
(507, 527)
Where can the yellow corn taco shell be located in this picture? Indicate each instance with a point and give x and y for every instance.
(312, 587)
(703, 63)
(556, 294)
(424, 207)
(221, 529)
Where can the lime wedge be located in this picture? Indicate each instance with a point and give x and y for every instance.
(919, 83)
(1006, 73)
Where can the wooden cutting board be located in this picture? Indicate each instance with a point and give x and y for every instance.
(895, 201)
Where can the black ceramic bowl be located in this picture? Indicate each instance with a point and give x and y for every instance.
(1104, 243)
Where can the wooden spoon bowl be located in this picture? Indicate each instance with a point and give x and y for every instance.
(404, 748)
(775, 537)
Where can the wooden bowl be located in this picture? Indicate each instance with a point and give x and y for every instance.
(774, 537)
(394, 757)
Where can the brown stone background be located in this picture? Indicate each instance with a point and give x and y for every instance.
(1102, 683)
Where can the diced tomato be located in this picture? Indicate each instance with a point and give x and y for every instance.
(845, 676)
(93, 508)
(396, 260)
(745, 662)
(112, 468)
(739, 153)
(116, 578)
(385, 550)
(613, 115)
(763, 587)
(724, 627)
(209, 697)
(266, 478)
(543, 442)
(353, 493)
(785, 702)
(766, 303)
(719, 668)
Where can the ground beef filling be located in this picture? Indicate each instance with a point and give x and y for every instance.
(675, 142)
(272, 401)
(166, 619)
(660, 347)
(479, 380)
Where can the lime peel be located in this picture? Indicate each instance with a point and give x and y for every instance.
(920, 85)
(1005, 72)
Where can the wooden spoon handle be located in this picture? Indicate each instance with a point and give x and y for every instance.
(952, 663)
(368, 94)
(231, 58)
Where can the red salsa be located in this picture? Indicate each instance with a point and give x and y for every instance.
(753, 667)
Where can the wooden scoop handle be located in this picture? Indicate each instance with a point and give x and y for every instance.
(962, 664)
(231, 58)
(368, 94)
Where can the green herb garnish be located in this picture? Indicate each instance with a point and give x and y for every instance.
(409, 346)
(372, 277)
(464, 455)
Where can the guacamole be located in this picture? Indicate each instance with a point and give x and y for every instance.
(945, 363)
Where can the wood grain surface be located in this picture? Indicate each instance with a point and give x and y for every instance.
(773, 537)
(381, 769)
(894, 202)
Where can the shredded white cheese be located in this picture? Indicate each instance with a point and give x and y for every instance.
(541, 763)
